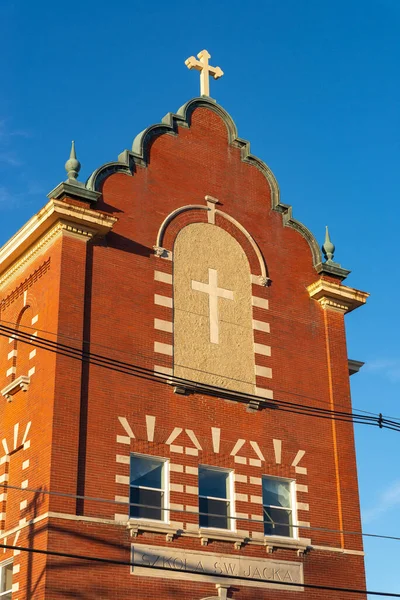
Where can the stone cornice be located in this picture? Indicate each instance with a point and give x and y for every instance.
(336, 296)
(55, 217)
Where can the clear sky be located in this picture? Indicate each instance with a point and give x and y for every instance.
(314, 85)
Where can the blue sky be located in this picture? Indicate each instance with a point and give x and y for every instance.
(313, 85)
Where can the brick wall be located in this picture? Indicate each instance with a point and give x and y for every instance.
(82, 416)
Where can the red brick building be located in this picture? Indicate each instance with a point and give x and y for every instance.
(166, 330)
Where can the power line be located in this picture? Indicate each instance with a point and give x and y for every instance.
(190, 512)
(151, 375)
(221, 576)
(122, 351)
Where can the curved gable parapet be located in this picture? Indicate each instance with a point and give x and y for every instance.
(139, 156)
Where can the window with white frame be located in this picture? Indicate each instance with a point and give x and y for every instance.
(215, 498)
(278, 506)
(6, 575)
(148, 488)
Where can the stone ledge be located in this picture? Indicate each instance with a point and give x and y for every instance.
(21, 383)
(336, 296)
(271, 543)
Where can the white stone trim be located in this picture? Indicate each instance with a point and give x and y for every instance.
(121, 458)
(256, 499)
(11, 371)
(176, 468)
(32, 354)
(241, 497)
(298, 457)
(163, 301)
(240, 460)
(111, 522)
(150, 427)
(305, 524)
(262, 349)
(191, 489)
(163, 277)
(261, 326)
(260, 302)
(301, 488)
(192, 470)
(162, 348)
(255, 480)
(122, 479)
(174, 506)
(264, 393)
(25, 464)
(31, 372)
(34, 319)
(124, 439)
(240, 515)
(163, 325)
(176, 449)
(122, 499)
(24, 484)
(257, 450)
(240, 478)
(263, 371)
(277, 451)
(12, 354)
(216, 438)
(237, 446)
(126, 426)
(303, 506)
(163, 370)
(176, 487)
(301, 470)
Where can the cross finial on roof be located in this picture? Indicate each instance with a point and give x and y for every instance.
(205, 70)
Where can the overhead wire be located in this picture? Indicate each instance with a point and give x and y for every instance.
(193, 386)
(39, 491)
(122, 351)
(221, 576)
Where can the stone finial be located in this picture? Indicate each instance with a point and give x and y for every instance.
(72, 166)
(328, 248)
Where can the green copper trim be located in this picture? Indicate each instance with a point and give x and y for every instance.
(139, 156)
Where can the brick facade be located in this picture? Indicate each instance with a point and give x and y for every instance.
(93, 287)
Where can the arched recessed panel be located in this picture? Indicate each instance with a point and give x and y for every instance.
(213, 334)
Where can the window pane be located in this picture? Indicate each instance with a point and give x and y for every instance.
(213, 483)
(277, 522)
(146, 472)
(6, 579)
(151, 501)
(276, 492)
(216, 515)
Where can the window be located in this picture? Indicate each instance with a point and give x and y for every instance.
(148, 484)
(6, 573)
(215, 498)
(278, 505)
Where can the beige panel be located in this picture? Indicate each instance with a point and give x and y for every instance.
(229, 363)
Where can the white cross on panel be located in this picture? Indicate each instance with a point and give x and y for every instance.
(214, 292)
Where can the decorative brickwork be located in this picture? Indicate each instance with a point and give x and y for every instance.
(110, 291)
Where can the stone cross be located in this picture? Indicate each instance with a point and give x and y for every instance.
(211, 288)
(205, 70)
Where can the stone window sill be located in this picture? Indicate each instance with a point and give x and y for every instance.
(169, 530)
(271, 543)
(21, 383)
